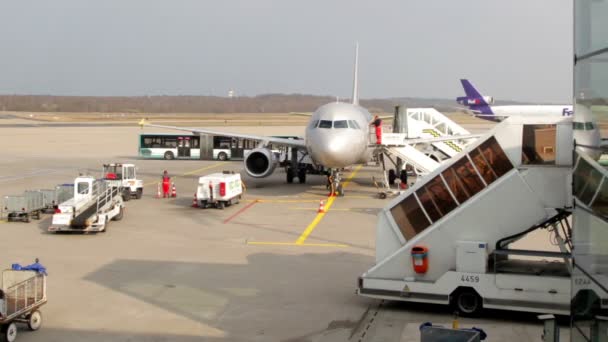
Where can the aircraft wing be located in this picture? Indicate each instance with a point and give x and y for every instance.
(265, 139)
(300, 113)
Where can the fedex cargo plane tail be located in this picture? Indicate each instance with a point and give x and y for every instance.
(474, 100)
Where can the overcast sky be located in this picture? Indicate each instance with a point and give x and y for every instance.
(516, 49)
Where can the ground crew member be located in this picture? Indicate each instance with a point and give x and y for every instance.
(377, 123)
(166, 184)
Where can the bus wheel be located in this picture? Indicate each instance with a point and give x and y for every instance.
(169, 155)
(222, 156)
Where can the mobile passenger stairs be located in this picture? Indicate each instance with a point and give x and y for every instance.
(421, 139)
(446, 239)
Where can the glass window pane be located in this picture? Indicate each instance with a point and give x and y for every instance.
(588, 126)
(409, 217)
(340, 124)
(428, 204)
(495, 155)
(463, 169)
(600, 204)
(83, 187)
(586, 181)
(440, 196)
(455, 185)
(314, 123)
(578, 126)
(538, 146)
(325, 124)
(482, 166)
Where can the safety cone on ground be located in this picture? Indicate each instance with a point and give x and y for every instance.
(321, 207)
(173, 192)
(158, 195)
(195, 201)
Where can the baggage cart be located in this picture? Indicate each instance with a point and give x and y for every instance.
(22, 295)
(23, 207)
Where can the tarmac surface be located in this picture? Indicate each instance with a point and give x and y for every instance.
(267, 269)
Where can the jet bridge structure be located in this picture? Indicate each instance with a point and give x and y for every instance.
(446, 240)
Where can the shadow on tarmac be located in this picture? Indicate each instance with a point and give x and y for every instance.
(244, 300)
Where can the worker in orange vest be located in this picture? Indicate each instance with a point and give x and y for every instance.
(377, 122)
(166, 184)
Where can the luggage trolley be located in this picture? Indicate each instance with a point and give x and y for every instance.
(23, 293)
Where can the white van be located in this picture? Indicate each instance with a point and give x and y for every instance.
(219, 190)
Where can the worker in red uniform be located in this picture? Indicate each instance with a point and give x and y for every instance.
(377, 122)
(166, 184)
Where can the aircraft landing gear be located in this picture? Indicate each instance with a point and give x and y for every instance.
(334, 184)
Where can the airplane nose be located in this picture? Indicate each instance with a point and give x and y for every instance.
(337, 150)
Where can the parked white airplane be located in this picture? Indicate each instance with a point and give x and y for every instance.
(480, 106)
(336, 137)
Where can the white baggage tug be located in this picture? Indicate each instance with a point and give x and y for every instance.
(124, 176)
(219, 190)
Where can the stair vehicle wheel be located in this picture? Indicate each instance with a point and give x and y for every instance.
(392, 175)
(9, 332)
(290, 175)
(468, 302)
(220, 205)
(222, 156)
(139, 193)
(119, 216)
(169, 155)
(34, 320)
(302, 175)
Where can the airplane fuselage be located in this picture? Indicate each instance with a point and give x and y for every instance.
(532, 110)
(337, 135)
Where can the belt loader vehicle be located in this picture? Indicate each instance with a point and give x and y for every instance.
(447, 239)
(219, 190)
(94, 204)
(124, 176)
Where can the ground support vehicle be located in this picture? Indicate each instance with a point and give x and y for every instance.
(23, 293)
(60, 194)
(124, 176)
(94, 204)
(23, 207)
(219, 190)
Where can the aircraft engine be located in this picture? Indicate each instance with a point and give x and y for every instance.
(488, 99)
(260, 163)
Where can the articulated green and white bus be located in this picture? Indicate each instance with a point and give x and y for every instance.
(190, 146)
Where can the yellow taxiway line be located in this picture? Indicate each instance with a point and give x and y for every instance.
(301, 241)
(191, 172)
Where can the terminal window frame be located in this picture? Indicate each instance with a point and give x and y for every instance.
(532, 153)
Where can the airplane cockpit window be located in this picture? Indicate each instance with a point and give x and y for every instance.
(353, 124)
(340, 124)
(578, 126)
(324, 124)
(314, 123)
(589, 126)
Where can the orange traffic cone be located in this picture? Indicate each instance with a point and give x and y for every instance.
(173, 192)
(321, 207)
(195, 201)
(158, 195)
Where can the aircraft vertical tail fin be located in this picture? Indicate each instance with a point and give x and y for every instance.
(356, 76)
(474, 100)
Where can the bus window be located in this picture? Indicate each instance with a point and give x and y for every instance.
(409, 217)
(455, 185)
(463, 169)
(169, 142)
(221, 142)
(538, 146)
(440, 196)
(482, 166)
(496, 157)
(324, 124)
(195, 142)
